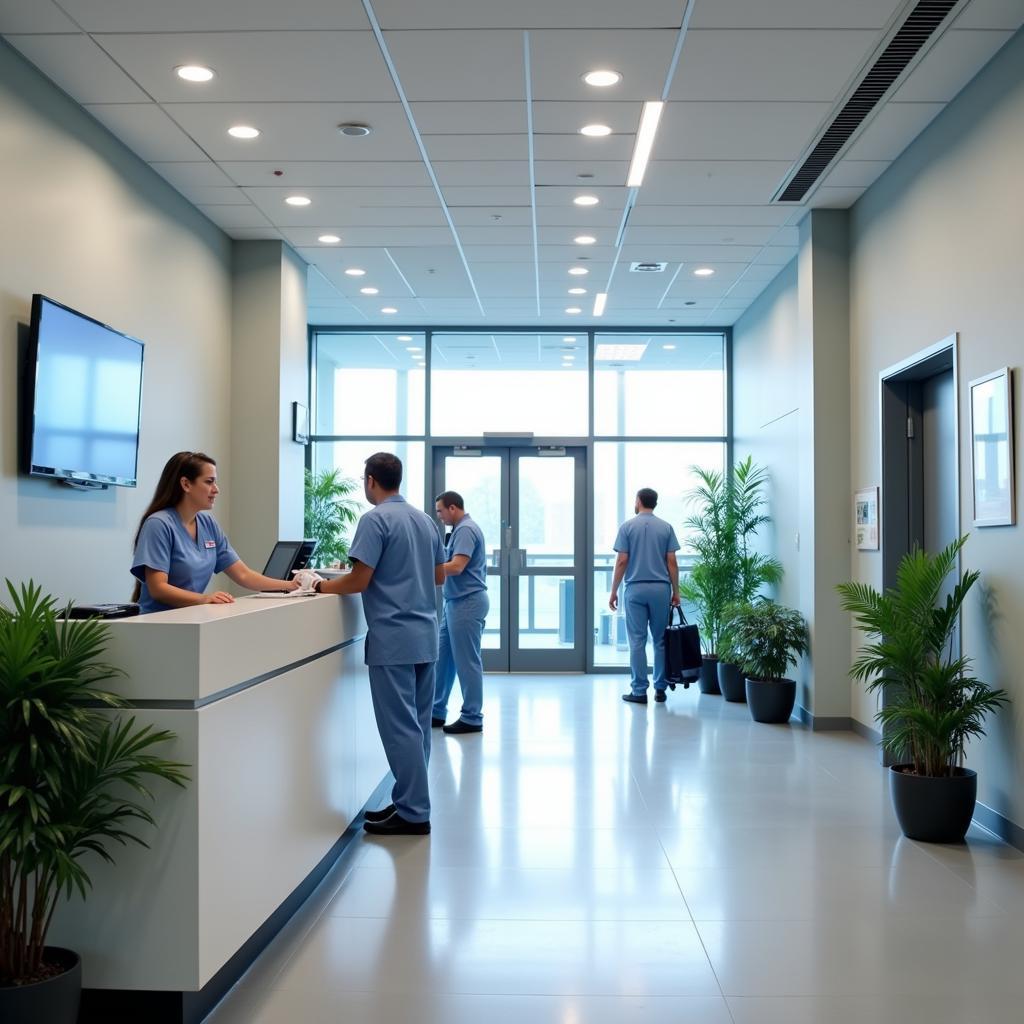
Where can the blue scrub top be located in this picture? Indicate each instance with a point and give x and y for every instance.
(647, 540)
(467, 539)
(402, 547)
(165, 545)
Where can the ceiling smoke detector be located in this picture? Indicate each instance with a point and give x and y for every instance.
(354, 130)
(647, 267)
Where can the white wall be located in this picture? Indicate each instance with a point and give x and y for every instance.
(936, 249)
(87, 223)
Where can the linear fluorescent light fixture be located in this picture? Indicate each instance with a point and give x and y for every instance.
(599, 301)
(644, 142)
(620, 353)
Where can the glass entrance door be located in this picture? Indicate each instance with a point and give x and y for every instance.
(529, 502)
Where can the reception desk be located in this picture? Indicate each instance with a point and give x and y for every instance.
(270, 703)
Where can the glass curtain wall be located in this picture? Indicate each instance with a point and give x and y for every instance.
(648, 406)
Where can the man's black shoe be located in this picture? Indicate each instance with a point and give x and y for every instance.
(460, 727)
(382, 815)
(635, 698)
(437, 723)
(396, 825)
(660, 696)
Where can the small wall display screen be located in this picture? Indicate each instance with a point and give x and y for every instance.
(84, 393)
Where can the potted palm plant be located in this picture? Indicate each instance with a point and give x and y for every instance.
(767, 638)
(330, 509)
(931, 704)
(730, 509)
(73, 783)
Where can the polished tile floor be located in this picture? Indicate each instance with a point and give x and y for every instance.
(595, 862)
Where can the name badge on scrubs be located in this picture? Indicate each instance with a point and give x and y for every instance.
(211, 543)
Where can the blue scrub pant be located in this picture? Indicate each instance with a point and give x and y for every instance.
(402, 695)
(462, 627)
(647, 607)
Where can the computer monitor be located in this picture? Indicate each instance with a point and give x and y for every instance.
(282, 559)
(305, 553)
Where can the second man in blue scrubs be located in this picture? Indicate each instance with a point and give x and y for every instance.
(462, 622)
(646, 547)
(396, 558)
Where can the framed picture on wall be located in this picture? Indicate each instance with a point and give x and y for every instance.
(992, 449)
(865, 518)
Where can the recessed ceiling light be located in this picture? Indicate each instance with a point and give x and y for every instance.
(703, 272)
(405, 337)
(602, 78)
(243, 131)
(414, 348)
(569, 337)
(586, 200)
(595, 131)
(573, 309)
(355, 271)
(329, 239)
(578, 271)
(194, 73)
(584, 239)
(577, 291)
(669, 348)
(354, 131)
(369, 291)
(623, 353)
(599, 303)
(298, 200)
(388, 309)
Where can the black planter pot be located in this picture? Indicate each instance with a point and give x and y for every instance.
(54, 1001)
(933, 810)
(709, 676)
(771, 700)
(731, 683)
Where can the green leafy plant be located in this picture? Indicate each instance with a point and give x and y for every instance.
(766, 638)
(932, 704)
(730, 510)
(74, 770)
(330, 509)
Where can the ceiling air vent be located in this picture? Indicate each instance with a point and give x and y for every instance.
(647, 268)
(890, 63)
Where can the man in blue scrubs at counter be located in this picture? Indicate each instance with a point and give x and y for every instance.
(462, 622)
(646, 547)
(396, 558)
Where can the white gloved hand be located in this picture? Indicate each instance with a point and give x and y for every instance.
(306, 578)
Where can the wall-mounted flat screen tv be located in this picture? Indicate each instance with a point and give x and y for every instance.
(82, 398)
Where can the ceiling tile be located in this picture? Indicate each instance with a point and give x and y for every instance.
(550, 118)
(330, 205)
(399, 235)
(949, 65)
(776, 255)
(497, 173)
(527, 14)
(213, 15)
(458, 64)
(38, 16)
(581, 219)
(298, 131)
(204, 195)
(580, 149)
(699, 234)
(567, 172)
(652, 214)
(147, 130)
(716, 182)
(776, 14)
(563, 196)
(470, 147)
(834, 198)
(741, 64)
(497, 117)
(464, 195)
(337, 173)
(496, 234)
(737, 131)
(858, 173)
(193, 174)
(235, 216)
(892, 129)
(513, 216)
(994, 14)
(79, 67)
(559, 59)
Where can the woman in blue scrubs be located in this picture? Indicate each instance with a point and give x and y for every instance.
(179, 545)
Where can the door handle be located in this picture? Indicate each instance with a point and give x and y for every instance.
(517, 561)
(496, 558)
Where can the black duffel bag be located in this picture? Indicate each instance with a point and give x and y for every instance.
(683, 656)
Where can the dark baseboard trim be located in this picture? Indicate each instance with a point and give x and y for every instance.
(101, 1006)
(821, 723)
(865, 731)
(1009, 831)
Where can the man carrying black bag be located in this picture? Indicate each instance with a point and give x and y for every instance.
(646, 547)
(682, 650)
